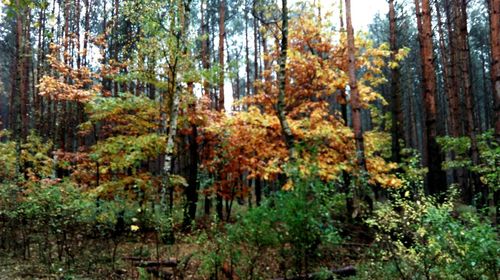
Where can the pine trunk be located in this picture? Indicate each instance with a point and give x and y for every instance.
(494, 6)
(471, 125)
(436, 180)
(397, 113)
(222, 34)
(354, 93)
(454, 98)
(23, 69)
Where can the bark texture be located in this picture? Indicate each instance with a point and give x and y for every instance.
(354, 93)
(397, 114)
(281, 103)
(436, 180)
(495, 60)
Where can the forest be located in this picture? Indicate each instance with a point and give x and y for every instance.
(249, 139)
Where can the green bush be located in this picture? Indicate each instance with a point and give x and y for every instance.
(488, 167)
(64, 226)
(424, 239)
(289, 234)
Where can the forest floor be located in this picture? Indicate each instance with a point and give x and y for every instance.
(354, 249)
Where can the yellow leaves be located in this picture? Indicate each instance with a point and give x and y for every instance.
(178, 181)
(377, 144)
(402, 54)
(244, 142)
(134, 228)
(317, 116)
(380, 173)
(398, 57)
(35, 154)
(368, 95)
(7, 157)
(377, 141)
(393, 64)
(288, 186)
(384, 47)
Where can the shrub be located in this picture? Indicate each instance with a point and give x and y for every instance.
(288, 234)
(424, 239)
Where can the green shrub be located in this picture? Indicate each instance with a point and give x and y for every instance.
(424, 239)
(488, 167)
(289, 234)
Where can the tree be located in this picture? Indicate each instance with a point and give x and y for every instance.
(178, 28)
(471, 125)
(353, 86)
(432, 154)
(494, 8)
(280, 105)
(397, 113)
(222, 36)
(20, 79)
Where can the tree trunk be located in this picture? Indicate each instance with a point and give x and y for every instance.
(23, 68)
(174, 93)
(472, 126)
(204, 48)
(281, 103)
(397, 113)
(191, 190)
(15, 76)
(22, 43)
(494, 6)
(346, 177)
(445, 60)
(86, 34)
(37, 100)
(256, 50)
(115, 44)
(353, 85)
(220, 106)
(258, 190)
(247, 54)
(356, 118)
(454, 99)
(222, 34)
(456, 129)
(343, 96)
(436, 180)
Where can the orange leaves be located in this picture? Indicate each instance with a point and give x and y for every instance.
(69, 84)
(74, 84)
(247, 142)
(250, 143)
(58, 89)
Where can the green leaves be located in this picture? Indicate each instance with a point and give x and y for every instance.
(489, 154)
(127, 114)
(298, 223)
(459, 147)
(7, 158)
(122, 152)
(433, 239)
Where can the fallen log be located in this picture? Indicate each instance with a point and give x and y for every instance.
(160, 273)
(339, 272)
(160, 269)
(161, 263)
(141, 262)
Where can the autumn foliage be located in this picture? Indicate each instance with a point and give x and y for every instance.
(250, 142)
